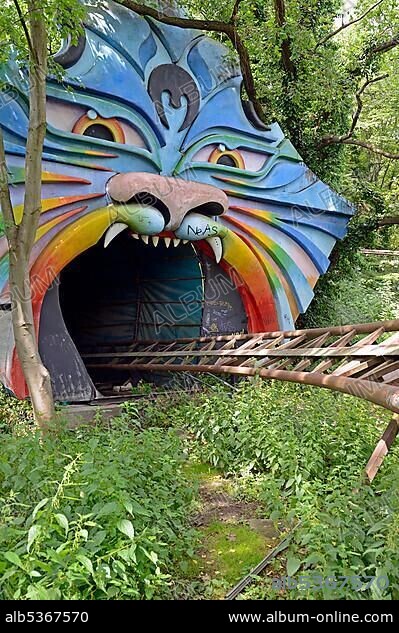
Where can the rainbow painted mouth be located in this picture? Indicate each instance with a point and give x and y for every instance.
(145, 222)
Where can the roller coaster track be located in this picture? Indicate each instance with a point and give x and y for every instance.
(359, 360)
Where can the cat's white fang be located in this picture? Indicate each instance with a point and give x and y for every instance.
(155, 240)
(216, 244)
(176, 242)
(167, 241)
(185, 242)
(145, 238)
(113, 231)
(135, 235)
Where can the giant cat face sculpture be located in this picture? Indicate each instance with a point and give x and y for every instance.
(147, 136)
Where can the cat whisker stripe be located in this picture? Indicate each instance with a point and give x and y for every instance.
(53, 178)
(47, 226)
(289, 268)
(54, 203)
(316, 255)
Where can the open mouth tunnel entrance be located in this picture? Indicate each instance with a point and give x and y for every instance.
(127, 292)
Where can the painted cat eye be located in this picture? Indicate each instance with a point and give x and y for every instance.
(229, 158)
(98, 127)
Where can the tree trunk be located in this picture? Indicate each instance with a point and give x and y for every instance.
(36, 375)
(21, 237)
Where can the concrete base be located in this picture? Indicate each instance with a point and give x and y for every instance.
(79, 414)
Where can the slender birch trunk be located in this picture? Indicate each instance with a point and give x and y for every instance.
(21, 237)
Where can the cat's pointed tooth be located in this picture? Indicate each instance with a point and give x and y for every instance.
(217, 246)
(145, 238)
(167, 241)
(155, 240)
(176, 242)
(135, 235)
(185, 242)
(113, 231)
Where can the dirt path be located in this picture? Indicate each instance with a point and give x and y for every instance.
(235, 533)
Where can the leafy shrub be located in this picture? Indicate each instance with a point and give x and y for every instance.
(94, 514)
(280, 428)
(360, 289)
(302, 451)
(155, 411)
(14, 414)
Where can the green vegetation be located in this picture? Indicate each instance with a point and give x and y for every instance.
(169, 500)
(231, 551)
(361, 289)
(109, 511)
(300, 453)
(15, 415)
(93, 514)
(307, 80)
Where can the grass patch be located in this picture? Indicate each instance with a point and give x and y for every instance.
(200, 472)
(231, 551)
(227, 554)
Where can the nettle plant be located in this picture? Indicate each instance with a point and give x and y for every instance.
(100, 515)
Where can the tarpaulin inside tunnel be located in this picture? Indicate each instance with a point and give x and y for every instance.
(132, 291)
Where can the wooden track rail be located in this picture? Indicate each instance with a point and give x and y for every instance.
(360, 360)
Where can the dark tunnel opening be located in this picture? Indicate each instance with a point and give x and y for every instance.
(130, 291)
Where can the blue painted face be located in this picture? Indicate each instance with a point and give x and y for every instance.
(148, 132)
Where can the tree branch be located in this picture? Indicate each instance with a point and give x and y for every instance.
(359, 95)
(348, 24)
(286, 53)
(214, 26)
(384, 47)
(347, 139)
(368, 53)
(37, 128)
(23, 23)
(234, 15)
(369, 147)
(388, 220)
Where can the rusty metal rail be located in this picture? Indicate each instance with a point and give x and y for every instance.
(360, 360)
